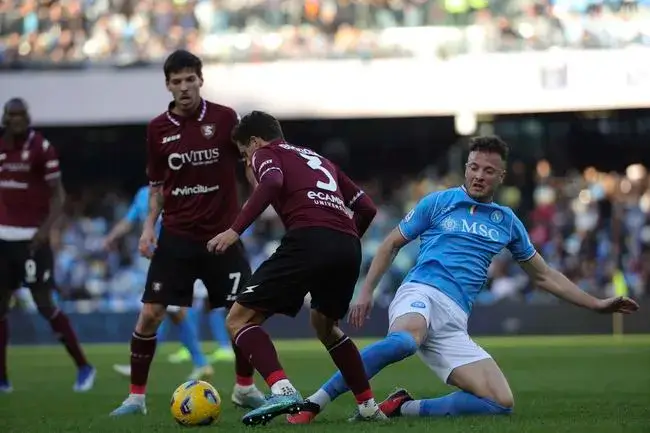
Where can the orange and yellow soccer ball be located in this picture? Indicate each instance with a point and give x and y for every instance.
(196, 403)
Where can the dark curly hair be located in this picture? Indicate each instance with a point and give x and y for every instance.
(257, 124)
(180, 60)
(491, 144)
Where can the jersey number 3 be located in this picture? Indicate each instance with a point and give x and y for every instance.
(315, 163)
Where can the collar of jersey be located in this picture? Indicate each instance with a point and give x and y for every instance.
(26, 144)
(174, 118)
(276, 142)
(470, 197)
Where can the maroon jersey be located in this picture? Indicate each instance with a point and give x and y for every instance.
(314, 193)
(25, 172)
(195, 161)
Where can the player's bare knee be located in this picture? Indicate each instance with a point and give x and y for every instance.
(240, 316)
(504, 398)
(412, 323)
(484, 379)
(151, 316)
(44, 303)
(326, 329)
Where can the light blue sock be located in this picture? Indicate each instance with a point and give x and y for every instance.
(194, 316)
(217, 319)
(187, 335)
(454, 404)
(395, 347)
(162, 331)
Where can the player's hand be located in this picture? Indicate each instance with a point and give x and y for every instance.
(109, 243)
(619, 304)
(148, 242)
(222, 241)
(360, 309)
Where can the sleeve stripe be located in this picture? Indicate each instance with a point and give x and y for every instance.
(268, 170)
(399, 227)
(527, 259)
(55, 175)
(356, 197)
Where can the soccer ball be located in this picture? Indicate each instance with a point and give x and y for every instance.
(196, 403)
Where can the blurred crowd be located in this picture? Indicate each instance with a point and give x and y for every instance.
(594, 227)
(78, 33)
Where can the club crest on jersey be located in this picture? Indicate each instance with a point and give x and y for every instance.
(208, 130)
(496, 216)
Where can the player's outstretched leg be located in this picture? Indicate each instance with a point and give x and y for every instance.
(143, 348)
(401, 403)
(395, 347)
(245, 394)
(346, 356)
(63, 330)
(244, 324)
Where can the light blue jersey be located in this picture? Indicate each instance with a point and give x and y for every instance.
(139, 208)
(459, 236)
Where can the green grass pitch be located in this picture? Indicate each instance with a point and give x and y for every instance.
(561, 384)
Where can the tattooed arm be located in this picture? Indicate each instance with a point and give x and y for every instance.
(156, 202)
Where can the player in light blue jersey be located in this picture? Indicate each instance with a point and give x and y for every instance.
(460, 229)
(188, 335)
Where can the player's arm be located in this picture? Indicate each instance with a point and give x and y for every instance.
(384, 257)
(412, 226)
(120, 229)
(268, 173)
(556, 283)
(358, 201)
(57, 200)
(156, 170)
(52, 175)
(125, 225)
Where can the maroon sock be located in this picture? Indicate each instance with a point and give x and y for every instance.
(66, 335)
(143, 348)
(346, 356)
(244, 370)
(4, 341)
(256, 345)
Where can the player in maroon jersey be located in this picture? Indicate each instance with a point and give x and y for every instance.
(320, 254)
(31, 202)
(192, 167)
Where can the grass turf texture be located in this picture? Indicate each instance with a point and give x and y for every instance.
(561, 384)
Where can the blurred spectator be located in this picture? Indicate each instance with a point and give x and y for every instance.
(78, 33)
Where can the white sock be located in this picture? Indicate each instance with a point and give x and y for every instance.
(245, 389)
(138, 397)
(410, 408)
(368, 408)
(321, 398)
(283, 387)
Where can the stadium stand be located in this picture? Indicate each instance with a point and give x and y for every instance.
(92, 33)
